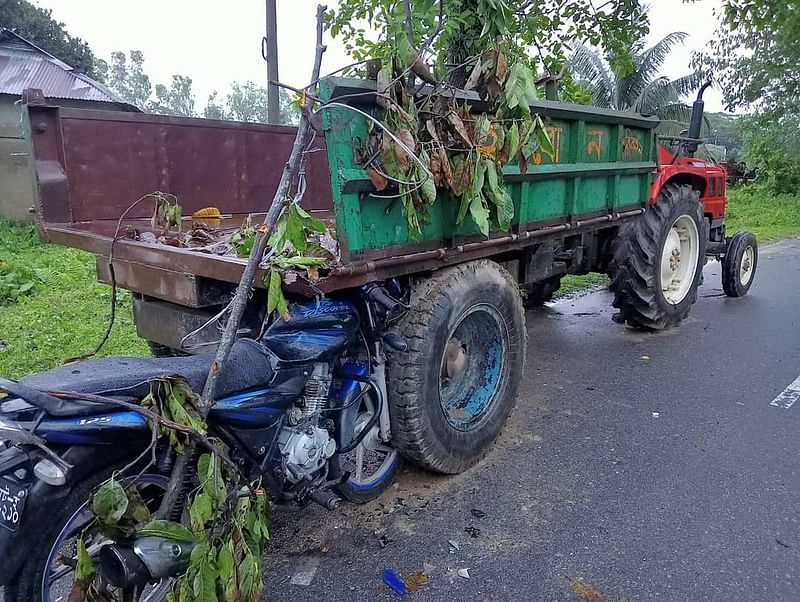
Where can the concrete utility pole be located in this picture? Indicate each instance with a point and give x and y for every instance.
(269, 50)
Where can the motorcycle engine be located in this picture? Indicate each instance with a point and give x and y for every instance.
(305, 450)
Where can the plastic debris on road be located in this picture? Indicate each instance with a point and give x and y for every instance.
(416, 581)
(656, 414)
(393, 582)
(477, 513)
(454, 545)
(463, 573)
(586, 591)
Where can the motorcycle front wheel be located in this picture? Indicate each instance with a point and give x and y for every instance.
(48, 574)
(372, 465)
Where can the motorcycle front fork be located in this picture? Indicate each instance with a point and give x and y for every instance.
(379, 376)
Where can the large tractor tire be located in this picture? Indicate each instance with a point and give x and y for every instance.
(452, 390)
(658, 260)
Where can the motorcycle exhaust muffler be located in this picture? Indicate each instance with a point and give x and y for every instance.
(148, 559)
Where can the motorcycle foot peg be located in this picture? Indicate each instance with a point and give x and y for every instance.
(326, 498)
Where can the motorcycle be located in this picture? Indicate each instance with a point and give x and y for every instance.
(302, 408)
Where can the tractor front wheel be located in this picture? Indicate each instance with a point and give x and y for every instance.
(739, 264)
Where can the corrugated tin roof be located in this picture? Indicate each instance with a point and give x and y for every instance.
(28, 66)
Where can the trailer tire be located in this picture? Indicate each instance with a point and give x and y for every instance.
(650, 249)
(452, 390)
(541, 292)
(739, 264)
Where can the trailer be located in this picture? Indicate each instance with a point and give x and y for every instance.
(608, 199)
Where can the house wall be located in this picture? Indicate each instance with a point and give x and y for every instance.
(17, 175)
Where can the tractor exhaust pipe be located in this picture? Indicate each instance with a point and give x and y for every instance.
(148, 559)
(696, 123)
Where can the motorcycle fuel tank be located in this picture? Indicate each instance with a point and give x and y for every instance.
(315, 331)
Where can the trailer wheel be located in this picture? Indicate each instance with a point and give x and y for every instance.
(452, 390)
(739, 264)
(658, 260)
(541, 292)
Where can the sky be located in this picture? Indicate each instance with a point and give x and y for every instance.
(219, 43)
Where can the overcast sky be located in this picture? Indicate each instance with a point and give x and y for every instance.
(217, 43)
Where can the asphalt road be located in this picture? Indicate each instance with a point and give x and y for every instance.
(668, 478)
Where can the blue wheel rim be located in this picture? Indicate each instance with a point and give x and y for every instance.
(384, 463)
(472, 367)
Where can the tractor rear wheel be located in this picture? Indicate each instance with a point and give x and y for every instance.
(658, 260)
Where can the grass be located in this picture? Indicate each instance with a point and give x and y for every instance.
(65, 311)
(769, 217)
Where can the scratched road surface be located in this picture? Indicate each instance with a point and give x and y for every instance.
(668, 478)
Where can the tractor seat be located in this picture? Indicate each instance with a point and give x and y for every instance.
(249, 365)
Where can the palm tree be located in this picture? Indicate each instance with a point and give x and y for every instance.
(642, 90)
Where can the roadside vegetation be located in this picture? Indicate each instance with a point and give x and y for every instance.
(51, 306)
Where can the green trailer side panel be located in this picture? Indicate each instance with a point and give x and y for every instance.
(602, 160)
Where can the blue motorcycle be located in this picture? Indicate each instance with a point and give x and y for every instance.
(303, 408)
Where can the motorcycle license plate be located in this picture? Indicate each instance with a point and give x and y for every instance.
(12, 503)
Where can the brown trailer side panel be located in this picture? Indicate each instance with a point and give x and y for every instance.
(93, 164)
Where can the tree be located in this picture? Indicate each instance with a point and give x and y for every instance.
(772, 148)
(755, 55)
(456, 30)
(640, 89)
(175, 100)
(38, 26)
(127, 79)
(248, 102)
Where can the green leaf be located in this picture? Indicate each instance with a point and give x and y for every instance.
(480, 215)
(226, 565)
(427, 189)
(309, 222)
(84, 568)
(478, 177)
(168, 530)
(531, 143)
(277, 239)
(512, 141)
(180, 413)
(209, 471)
(298, 261)
(200, 512)
(275, 299)
(204, 584)
(110, 502)
(544, 140)
(492, 180)
(295, 233)
(505, 211)
(244, 247)
(249, 577)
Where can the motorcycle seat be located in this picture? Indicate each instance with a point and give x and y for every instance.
(249, 365)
